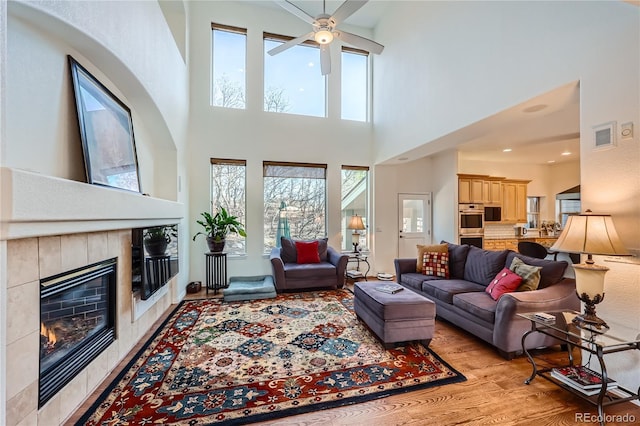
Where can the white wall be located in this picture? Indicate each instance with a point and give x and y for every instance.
(450, 64)
(257, 136)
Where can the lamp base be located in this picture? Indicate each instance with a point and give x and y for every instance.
(355, 247)
(588, 320)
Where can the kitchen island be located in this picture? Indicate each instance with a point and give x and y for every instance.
(511, 243)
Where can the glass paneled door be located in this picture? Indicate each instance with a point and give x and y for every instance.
(414, 213)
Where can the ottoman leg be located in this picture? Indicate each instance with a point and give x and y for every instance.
(425, 342)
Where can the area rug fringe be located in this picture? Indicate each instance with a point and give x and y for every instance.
(220, 363)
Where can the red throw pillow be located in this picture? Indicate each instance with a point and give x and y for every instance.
(435, 264)
(505, 282)
(307, 252)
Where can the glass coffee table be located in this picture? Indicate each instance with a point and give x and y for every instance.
(599, 391)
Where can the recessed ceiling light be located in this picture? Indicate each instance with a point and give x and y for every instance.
(535, 108)
(566, 153)
(506, 150)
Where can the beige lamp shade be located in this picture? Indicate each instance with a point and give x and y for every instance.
(356, 223)
(590, 234)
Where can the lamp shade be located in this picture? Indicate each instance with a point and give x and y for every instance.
(356, 223)
(591, 234)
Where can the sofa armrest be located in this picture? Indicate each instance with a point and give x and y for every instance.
(338, 260)
(508, 329)
(404, 266)
(278, 269)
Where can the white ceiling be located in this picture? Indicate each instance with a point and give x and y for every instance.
(534, 137)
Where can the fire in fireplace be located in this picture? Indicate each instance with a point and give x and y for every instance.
(77, 322)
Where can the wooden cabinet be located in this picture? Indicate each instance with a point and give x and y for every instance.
(470, 190)
(514, 201)
(495, 192)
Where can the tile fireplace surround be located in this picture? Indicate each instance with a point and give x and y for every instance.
(37, 241)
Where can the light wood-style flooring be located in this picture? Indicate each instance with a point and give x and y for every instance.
(494, 393)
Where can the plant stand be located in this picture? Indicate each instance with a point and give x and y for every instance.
(216, 271)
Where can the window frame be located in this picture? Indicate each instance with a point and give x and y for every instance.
(353, 50)
(232, 237)
(267, 36)
(365, 239)
(265, 174)
(233, 30)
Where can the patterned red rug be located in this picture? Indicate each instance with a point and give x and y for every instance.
(240, 362)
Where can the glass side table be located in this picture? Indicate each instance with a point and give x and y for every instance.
(358, 257)
(600, 343)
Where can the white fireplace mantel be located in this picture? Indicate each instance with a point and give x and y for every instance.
(33, 205)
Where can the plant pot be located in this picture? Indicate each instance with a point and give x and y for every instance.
(215, 246)
(156, 247)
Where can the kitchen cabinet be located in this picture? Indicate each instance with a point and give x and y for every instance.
(470, 190)
(495, 192)
(512, 243)
(514, 201)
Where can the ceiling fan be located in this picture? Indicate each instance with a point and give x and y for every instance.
(324, 31)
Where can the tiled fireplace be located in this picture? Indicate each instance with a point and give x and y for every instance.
(31, 261)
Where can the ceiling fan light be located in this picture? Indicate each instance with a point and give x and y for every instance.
(323, 37)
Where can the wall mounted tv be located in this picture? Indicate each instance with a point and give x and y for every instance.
(155, 258)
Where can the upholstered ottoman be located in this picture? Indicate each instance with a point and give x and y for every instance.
(249, 288)
(399, 317)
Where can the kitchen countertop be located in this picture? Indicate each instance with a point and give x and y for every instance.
(493, 237)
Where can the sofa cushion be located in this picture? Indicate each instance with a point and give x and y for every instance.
(307, 252)
(478, 304)
(457, 259)
(414, 280)
(422, 249)
(445, 289)
(483, 265)
(530, 274)
(505, 282)
(552, 270)
(288, 252)
(312, 271)
(435, 264)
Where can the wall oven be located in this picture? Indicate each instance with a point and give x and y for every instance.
(471, 224)
(471, 220)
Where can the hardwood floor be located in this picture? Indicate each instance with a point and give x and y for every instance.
(494, 393)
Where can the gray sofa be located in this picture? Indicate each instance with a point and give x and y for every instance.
(292, 276)
(462, 300)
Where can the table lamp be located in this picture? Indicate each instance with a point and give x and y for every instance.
(590, 234)
(356, 224)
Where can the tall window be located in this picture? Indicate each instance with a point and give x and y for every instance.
(229, 63)
(293, 82)
(228, 188)
(294, 201)
(355, 84)
(355, 182)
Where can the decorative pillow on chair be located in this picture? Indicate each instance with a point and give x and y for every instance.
(435, 264)
(505, 282)
(437, 248)
(530, 274)
(307, 252)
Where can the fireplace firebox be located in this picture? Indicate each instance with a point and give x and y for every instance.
(77, 322)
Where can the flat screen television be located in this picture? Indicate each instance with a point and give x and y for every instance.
(155, 256)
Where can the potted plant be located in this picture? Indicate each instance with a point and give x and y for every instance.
(217, 227)
(157, 238)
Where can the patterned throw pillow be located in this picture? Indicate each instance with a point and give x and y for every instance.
(436, 264)
(530, 274)
(505, 282)
(436, 248)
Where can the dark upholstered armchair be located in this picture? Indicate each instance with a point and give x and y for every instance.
(291, 275)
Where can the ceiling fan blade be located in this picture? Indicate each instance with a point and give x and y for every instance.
(359, 42)
(291, 43)
(325, 59)
(295, 10)
(347, 9)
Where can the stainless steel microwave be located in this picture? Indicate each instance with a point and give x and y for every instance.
(492, 213)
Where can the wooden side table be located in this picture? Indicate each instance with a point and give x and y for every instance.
(216, 271)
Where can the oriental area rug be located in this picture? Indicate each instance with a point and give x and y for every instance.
(213, 362)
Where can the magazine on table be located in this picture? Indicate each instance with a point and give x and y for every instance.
(389, 288)
(582, 378)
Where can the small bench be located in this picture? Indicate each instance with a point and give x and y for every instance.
(249, 288)
(394, 318)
